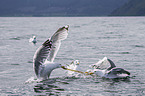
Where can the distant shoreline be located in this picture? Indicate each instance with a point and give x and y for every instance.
(72, 16)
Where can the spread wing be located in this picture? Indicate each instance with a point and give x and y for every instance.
(61, 34)
(49, 48)
(105, 63)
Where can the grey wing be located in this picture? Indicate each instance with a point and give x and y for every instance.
(40, 57)
(49, 49)
(112, 65)
(56, 39)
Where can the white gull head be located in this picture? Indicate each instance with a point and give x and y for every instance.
(75, 65)
(33, 40)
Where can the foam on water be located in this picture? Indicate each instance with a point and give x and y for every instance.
(32, 80)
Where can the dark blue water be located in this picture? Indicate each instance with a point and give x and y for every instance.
(122, 39)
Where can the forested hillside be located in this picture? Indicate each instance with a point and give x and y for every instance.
(132, 8)
(58, 7)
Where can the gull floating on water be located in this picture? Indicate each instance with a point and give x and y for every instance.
(74, 66)
(33, 40)
(44, 56)
(107, 69)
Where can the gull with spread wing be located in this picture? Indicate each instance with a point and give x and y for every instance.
(44, 56)
(107, 69)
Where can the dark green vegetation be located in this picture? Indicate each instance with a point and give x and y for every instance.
(132, 8)
(59, 7)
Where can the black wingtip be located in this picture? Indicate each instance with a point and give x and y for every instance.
(66, 27)
(112, 65)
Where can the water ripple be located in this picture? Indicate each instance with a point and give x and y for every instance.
(15, 38)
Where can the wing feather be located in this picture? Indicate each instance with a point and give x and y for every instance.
(56, 42)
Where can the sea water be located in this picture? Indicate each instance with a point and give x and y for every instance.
(121, 39)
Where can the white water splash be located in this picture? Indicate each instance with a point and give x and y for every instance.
(32, 80)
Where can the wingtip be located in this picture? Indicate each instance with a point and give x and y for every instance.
(67, 26)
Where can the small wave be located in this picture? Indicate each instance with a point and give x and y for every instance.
(77, 26)
(124, 53)
(15, 64)
(15, 38)
(30, 62)
(141, 46)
